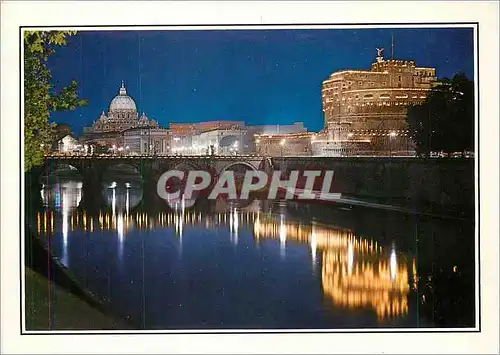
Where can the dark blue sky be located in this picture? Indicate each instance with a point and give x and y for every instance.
(259, 76)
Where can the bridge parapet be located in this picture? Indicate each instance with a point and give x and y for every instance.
(92, 167)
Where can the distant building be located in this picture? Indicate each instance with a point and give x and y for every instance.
(68, 144)
(338, 142)
(122, 115)
(217, 137)
(60, 131)
(292, 144)
(374, 102)
(267, 139)
(220, 124)
(181, 143)
(297, 127)
(147, 140)
(194, 128)
(221, 141)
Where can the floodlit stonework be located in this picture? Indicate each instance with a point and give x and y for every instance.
(374, 102)
(291, 144)
(109, 129)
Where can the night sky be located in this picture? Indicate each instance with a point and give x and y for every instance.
(258, 76)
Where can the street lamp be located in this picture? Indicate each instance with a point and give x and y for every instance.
(257, 145)
(282, 143)
(235, 146)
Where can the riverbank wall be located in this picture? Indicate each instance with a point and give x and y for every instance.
(425, 185)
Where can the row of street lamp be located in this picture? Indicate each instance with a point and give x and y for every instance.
(233, 149)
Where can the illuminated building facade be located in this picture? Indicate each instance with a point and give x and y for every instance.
(297, 127)
(68, 144)
(217, 137)
(374, 102)
(122, 115)
(147, 140)
(221, 141)
(338, 142)
(292, 144)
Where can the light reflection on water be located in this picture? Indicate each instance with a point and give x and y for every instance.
(356, 273)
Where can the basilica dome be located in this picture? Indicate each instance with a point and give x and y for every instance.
(122, 101)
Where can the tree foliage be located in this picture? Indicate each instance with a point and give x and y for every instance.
(40, 97)
(445, 120)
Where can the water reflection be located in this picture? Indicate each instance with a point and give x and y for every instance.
(356, 273)
(64, 197)
(122, 196)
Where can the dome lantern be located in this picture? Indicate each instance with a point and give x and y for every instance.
(123, 91)
(122, 101)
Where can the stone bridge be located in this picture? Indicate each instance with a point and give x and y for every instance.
(428, 185)
(92, 167)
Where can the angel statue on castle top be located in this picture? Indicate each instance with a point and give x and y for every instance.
(380, 59)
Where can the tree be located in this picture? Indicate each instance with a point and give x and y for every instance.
(445, 120)
(40, 97)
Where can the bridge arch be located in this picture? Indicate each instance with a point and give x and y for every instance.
(123, 171)
(238, 163)
(266, 165)
(57, 170)
(185, 166)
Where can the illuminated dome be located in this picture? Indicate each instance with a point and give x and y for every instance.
(122, 101)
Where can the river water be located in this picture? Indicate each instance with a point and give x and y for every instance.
(262, 265)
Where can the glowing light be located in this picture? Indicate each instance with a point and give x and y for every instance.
(113, 203)
(127, 202)
(120, 227)
(393, 264)
(283, 235)
(234, 225)
(350, 257)
(65, 218)
(314, 246)
(353, 274)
